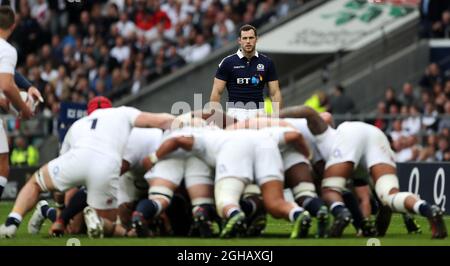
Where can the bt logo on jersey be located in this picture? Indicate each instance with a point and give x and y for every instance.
(243, 80)
(255, 80)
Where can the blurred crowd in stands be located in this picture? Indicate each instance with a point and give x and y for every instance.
(75, 50)
(416, 120)
(435, 18)
(72, 51)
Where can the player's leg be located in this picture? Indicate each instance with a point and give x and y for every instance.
(163, 180)
(253, 206)
(234, 170)
(75, 202)
(273, 196)
(363, 194)
(268, 166)
(4, 159)
(333, 184)
(299, 179)
(387, 189)
(200, 187)
(227, 192)
(28, 196)
(4, 171)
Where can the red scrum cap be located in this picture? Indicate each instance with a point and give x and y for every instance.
(99, 102)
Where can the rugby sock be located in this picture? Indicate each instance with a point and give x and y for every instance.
(248, 206)
(337, 207)
(423, 208)
(3, 182)
(232, 212)
(294, 213)
(312, 205)
(148, 208)
(76, 204)
(49, 213)
(13, 219)
(352, 204)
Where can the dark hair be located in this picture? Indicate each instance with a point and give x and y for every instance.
(247, 27)
(7, 17)
(340, 88)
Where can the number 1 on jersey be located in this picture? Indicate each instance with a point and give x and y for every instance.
(94, 123)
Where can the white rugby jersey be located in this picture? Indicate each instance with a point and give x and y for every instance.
(105, 131)
(302, 126)
(8, 57)
(141, 142)
(207, 143)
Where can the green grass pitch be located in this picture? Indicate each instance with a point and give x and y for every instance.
(277, 234)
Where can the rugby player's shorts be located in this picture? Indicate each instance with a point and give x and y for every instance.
(75, 168)
(174, 169)
(132, 187)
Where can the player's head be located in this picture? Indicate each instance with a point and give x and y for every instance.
(247, 38)
(7, 19)
(99, 102)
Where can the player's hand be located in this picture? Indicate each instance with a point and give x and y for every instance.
(35, 94)
(26, 113)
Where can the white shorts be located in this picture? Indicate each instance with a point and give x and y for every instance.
(292, 157)
(4, 148)
(132, 187)
(251, 162)
(194, 170)
(241, 114)
(235, 159)
(268, 164)
(75, 168)
(362, 145)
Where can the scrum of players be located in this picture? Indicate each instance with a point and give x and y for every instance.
(204, 174)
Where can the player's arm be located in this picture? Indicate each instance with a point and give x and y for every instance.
(298, 142)
(155, 120)
(168, 146)
(217, 90)
(275, 92)
(23, 83)
(315, 122)
(11, 91)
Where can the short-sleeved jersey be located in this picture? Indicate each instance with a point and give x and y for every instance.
(245, 79)
(207, 143)
(141, 142)
(8, 57)
(105, 131)
(302, 126)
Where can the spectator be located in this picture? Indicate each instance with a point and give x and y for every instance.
(125, 26)
(200, 50)
(441, 29)
(23, 155)
(390, 99)
(408, 96)
(412, 124)
(318, 101)
(443, 147)
(432, 75)
(445, 122)
(427, 153)
(120, 51)
(380, 121)
(430, 14)
(430, 119)
(341, 103)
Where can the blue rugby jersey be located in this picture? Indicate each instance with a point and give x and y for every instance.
(245, 79)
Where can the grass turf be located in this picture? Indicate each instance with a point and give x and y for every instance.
(277, 234)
